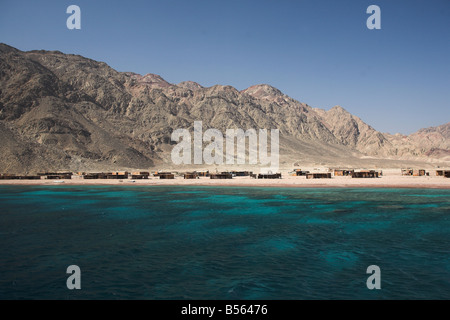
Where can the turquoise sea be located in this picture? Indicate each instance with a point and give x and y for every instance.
(137, 242)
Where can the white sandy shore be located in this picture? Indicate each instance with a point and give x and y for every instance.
(287, 181)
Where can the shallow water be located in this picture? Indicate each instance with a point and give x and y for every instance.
(138, 242)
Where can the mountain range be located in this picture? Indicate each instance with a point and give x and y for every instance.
(67, 112)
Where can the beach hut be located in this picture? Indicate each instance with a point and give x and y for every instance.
(418, 172)
(166, 175)
(118, 175)
(29, 178)
(365, 174)
(59, 177)
(407, 172)
(25, 177)
(223, 175)
(96, 175)
(7, 176)
(343, 172)
(316, 175)
(269, 176)
(55, 175)
(190, 175)
(413, 172)
(139, 175)
(241, 173)
(203, 173)
(298, 173)
(443, 173)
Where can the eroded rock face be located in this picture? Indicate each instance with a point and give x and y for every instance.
(60, 111)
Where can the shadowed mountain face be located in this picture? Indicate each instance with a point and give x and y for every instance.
(67, 112)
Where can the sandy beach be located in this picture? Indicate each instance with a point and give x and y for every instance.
(390, 181)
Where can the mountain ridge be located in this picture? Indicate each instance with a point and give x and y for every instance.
(62, 111)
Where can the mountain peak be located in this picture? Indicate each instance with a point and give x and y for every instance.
(263, 91)
(338, 109)
(153, 78)
(191, 85)
(268, 93)
(150, 79)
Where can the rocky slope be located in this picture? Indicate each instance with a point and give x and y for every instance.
(66, 112)
(433, 143)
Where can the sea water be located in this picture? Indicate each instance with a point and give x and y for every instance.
(148, 242)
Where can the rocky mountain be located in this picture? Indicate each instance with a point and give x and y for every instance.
(433, 143)
(191, 85)
(353, 132)
(66, 112)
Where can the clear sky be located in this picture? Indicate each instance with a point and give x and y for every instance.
(319, 52)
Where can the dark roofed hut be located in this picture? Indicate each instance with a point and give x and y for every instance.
(343, 172)
(223, 175)
(269, 176)
(56, 175)
(14, 177)
(365, 174)
(443, 173)
(29, 178)
(298, 173)
(203, 173)
(118, 175)
(139, 175)
(96, 175)
(316, 175)
(166, 175)
(242, 173)
(7, 176)
(190, 175)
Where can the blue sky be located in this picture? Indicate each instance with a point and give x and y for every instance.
(396, 79)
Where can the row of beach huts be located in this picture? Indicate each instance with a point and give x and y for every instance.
(367, 173)
(139, 175)
(337, 172)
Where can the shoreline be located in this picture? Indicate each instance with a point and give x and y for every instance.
(287, 182)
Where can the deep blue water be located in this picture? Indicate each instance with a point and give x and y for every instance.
(139, 242)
